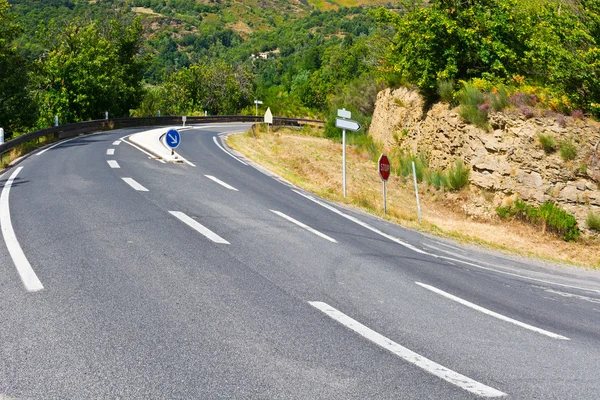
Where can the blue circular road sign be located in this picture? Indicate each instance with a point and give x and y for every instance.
(172, 138)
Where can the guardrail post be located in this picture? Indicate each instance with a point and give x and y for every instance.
(1, 135)
(56, 120)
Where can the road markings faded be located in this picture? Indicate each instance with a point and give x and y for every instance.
(198, 227)
(113, 164)
(131, 182)
(28, 276)
(492, 313)
(427, 365)
(300, 224)
(110, 152)
(220, 182)
(226, 152)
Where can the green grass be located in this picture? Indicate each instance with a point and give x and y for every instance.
(402, 164)
(445, 89)
(568, 150)
(500, 100)
(549, 216)
(458, 175)
(438, 179)
(472, 107)
(547, 142)
(593, 221)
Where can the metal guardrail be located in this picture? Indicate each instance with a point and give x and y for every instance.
(78, 128)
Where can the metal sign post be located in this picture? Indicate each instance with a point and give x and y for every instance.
(345, 124)
(256, 103)
(417, 192)
(384, 169)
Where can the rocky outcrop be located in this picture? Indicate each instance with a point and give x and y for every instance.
(507, 161)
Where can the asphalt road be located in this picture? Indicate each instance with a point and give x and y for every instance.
(220, 281)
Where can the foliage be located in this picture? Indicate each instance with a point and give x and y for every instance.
(568, 149)
(549, 216)
(17, 110)
(593, 221)
(473, 106)
(542, 42)
(547, 142)
(458, 175)
(438, 179)
(90, 69)
(445, 90)
(402, 164)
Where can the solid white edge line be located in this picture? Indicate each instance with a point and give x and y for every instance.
(198, 227)
(220, 182)
(152, 156)
(424, 363)
(492, 313)
(364, 225)
(300, 224)
(110, 152)
(226, 152)
(28, 276)
(417, 250)
(113, 164)
(133, 183)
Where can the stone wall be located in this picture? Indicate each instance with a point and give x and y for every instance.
(507, 162)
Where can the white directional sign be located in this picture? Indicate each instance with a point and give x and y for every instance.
(343, 113)
(257, 102)
(347, 124)
(268, 116)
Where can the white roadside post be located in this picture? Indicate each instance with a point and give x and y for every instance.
(256, 103)
(1, 135)
(417, 192)
(268, 118)
(56, 120)
(184, 118)
(159, 113)
(105, 114)
(345, 123)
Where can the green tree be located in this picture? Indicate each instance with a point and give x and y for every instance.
(90, 70)
(17, 110)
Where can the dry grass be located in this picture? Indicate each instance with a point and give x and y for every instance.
(314, 163)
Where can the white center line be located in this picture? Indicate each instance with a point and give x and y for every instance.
(198, 227)
(432, 367)
(116, 142)
(28, 276)
(113, 164)
(491, 313)
(220, 182)
(300, 224)
(226, 152)
(110, 152)
(131, 182)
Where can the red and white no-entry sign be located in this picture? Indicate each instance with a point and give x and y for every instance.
(384, 167)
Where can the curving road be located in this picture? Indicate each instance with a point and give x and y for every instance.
(124, 277)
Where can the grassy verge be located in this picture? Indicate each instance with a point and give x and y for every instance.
(21, 150)
(315, 163)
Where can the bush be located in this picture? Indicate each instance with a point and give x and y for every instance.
(403, 162)
(568, 150)
(551, 218)
(458, 175)
(547, 142)
(473, 107)
(437, 179)
(593, 221)
(445, 89)
(500, 99)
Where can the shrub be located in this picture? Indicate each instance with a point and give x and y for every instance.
(445, 89)
(593, 221)
(472, 107)
(568, 150)
(500, 99)
(458, 175)
(551, 218)
(403, 162)
(577, 114)
(547, 142)
(528, 112)
(437, 179)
